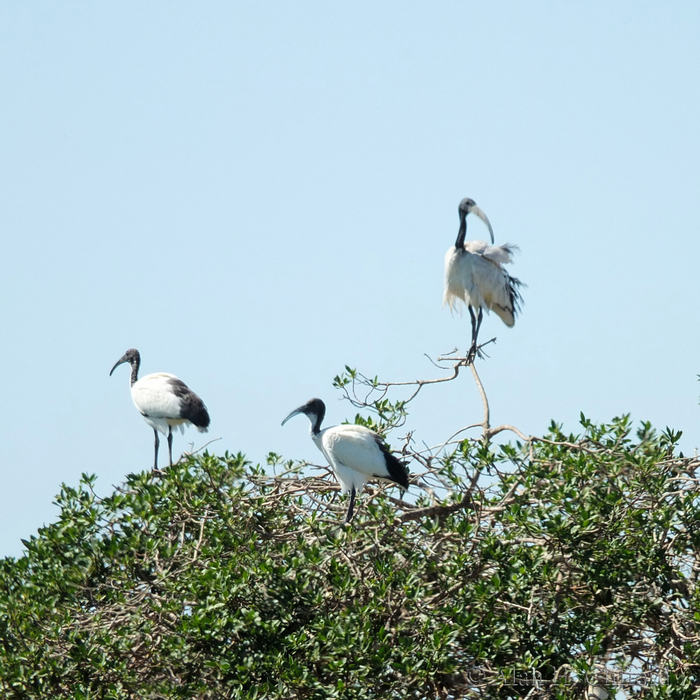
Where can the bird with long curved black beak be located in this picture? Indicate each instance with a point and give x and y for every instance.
(164, 401)
(356, 454)
(474, 275)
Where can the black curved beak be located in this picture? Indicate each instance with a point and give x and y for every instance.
(295, 412)
(121, 361)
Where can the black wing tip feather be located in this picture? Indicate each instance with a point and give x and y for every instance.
(192, 408)
(516, 298)
(397, 470)
(196, 413)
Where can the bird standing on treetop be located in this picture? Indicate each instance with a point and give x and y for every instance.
(474, 275)
(355, 453)
(164, 401)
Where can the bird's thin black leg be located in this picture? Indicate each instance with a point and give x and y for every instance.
(476, 325)
(170, 444)
(475, 331)
(155, 461)
(351, 507)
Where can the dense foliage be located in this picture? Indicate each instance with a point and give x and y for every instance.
(522, 570)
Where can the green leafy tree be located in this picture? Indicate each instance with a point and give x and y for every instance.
(537, 568)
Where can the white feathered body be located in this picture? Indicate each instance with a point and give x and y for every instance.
(354, 454)
(160, 399)
(475, 276)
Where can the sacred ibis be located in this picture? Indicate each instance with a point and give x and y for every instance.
(474, 274)
(355, 453)
(164, 401)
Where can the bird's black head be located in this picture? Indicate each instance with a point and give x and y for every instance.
(131, 356)
(469, 206)
(315, 409)
(466, 205)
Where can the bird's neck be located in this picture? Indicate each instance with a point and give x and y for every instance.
(134, 372)
(316, 421)
(461, 236)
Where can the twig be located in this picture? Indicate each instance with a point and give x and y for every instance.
(199, 449)
(485, 401)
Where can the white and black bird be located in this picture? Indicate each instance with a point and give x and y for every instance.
(356, 454)
(164, 401)
(474, 274)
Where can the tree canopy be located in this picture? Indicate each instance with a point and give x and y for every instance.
(535, 568)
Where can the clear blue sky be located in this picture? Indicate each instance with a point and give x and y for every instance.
(257, 194)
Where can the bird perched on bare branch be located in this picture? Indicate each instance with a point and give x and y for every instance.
(474, 274)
